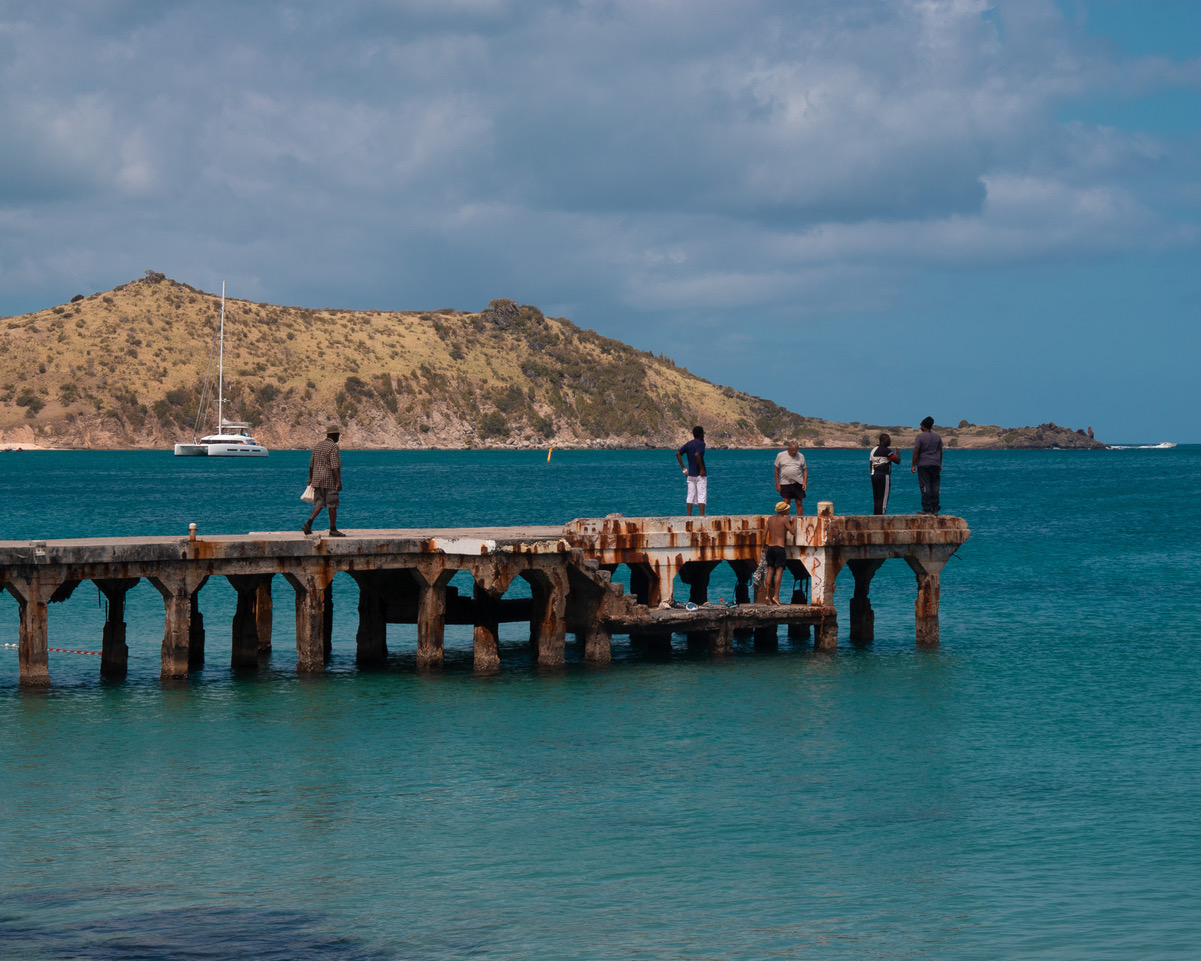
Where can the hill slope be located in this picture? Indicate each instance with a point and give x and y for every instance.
(126, 368)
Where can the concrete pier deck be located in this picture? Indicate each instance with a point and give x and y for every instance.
(403, 577)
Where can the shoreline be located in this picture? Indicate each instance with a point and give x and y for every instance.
(40, 448)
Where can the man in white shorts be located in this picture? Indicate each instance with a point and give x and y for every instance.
(698, 481)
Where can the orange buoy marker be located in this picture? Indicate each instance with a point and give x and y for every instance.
(548, 453)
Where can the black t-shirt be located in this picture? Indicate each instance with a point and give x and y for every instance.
(881, 461)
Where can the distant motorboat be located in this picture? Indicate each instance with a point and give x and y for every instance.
(231, 438)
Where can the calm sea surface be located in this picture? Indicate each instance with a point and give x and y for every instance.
(1030, 790)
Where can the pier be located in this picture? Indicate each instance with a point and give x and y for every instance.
(403, 577)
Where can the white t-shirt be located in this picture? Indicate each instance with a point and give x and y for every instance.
(792, 469)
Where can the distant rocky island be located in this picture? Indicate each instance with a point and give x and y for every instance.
(126, 369)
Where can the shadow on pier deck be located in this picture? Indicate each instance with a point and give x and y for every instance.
(403, 577)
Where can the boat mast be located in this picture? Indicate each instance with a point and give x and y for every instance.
(221, 363)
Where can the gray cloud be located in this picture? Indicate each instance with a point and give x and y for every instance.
(615, 159)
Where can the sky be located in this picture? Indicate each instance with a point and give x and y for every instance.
(867, 210)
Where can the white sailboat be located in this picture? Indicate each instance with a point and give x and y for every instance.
(232, 438)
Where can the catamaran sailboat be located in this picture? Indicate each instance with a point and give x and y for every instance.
(232, 438)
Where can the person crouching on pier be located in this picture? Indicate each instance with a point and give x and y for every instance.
(778, 529)
(325, 476)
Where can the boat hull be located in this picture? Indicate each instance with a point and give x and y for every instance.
(220, 450)
(236, 450)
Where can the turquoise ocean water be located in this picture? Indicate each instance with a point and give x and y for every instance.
(1030, 790)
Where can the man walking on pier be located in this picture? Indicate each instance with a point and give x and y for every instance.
(927, 464)
(325, 476)
(695, 473)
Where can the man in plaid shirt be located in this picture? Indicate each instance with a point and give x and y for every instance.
(325, 476)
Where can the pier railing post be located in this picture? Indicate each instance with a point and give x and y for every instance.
(183, 630)
(32, 594)
(114, 652)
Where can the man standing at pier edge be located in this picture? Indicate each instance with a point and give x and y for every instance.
(325, 475)
(792, 476)
(694, 473)
(927, 464)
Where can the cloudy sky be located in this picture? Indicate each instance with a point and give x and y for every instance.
(862, 209)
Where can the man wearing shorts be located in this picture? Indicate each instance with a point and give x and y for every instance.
(694, 473)
(325, 476)
(792, 475)
(778, 529)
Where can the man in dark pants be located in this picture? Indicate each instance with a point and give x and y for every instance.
(325, 476)
(927, 464)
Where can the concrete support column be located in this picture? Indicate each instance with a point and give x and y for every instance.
(486, 631)
(589, 600)
(431, 614)
(743, 572)
(825, 635)
(313, 620)
(246, 641)
(548, 626)
(696, 575)
(925, 607)
(767, 637)
(798, 632)
(264, 609)
(32, 594)
(371, 638)
(665, 573)
(183, 628)
(644, 585)
(598, 644)
(721, 641)
(490, 579)
(863, 618)
(114, 652)
(823, 566)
